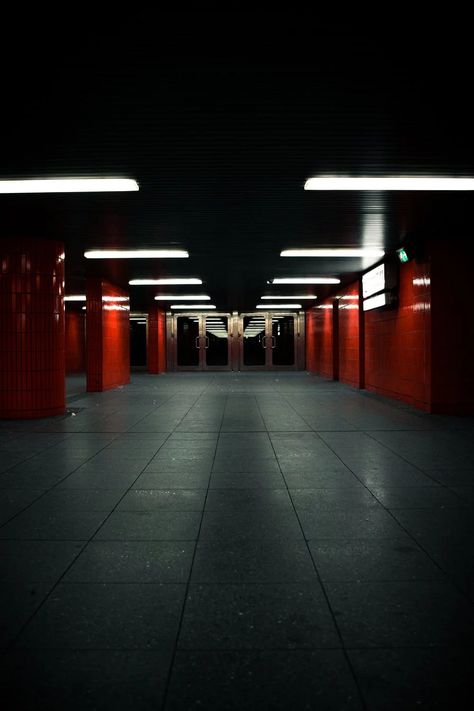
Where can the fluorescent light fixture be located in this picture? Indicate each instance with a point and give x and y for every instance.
(396, 182)
(163, 282)
(191, 306)
(141, 323)
(375, 302)
(306, 280)
(68, 185)
(83, 308)
(183, 297)
(278, 306)
(75, 297)
(115, 298)
(136, 254)
(288, 297)
(336, 252)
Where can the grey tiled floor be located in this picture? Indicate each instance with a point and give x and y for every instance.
(236, 541)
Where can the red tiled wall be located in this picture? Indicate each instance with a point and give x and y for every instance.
(32, 362)
(348, 319)
(156, 341)
(319, 340)
(452, 326)
(75, 342)
(108, 336)
(398, 341)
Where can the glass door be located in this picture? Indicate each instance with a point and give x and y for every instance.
(201, 342)
(267, 341)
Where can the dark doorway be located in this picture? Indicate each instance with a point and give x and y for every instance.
(138, 343)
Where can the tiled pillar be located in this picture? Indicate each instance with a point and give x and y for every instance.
(75, 342)
(108, 335)
(31, 328)
(156, 341)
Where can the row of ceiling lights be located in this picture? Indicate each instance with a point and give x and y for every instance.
(332, 183)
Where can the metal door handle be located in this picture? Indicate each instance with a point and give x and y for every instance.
(273, 342)
(196, 342)
(264, 341)
(207, 339)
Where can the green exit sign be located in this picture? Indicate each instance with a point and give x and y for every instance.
(402, 255)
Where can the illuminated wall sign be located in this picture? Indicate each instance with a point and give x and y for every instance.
(373, 281)
(374, 302)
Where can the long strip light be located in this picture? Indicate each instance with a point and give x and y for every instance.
(136, 254)
(75, 297)
(396, 182)
(183, 297)
(336, 252)
(163, 282)
(176, 307)
(288, 297)
(278, 306)
(68, 185)
(305, 280)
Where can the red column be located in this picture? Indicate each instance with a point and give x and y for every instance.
(75, 342)
(156, 341)
(31, 328)
(108, 336)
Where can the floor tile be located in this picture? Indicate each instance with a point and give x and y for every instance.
(277, 680)
(427, 678)
(86, 680)
(150, 526)
(53, 525)
(133, 562)
(248, 499)
(247, 480)
(257, 561)
(238, 524)
(327, 499)
(410, 497)
(347, 559)
(401, 614)
(163, 500)
(36, 561)
(256, 616)
(107, 616)
(353, 523)
(21, 600)
(12, 501)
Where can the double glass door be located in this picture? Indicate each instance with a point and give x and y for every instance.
(268, 341)
(202, 342)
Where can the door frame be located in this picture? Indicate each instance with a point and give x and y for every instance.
(172, 340)
(268, 315)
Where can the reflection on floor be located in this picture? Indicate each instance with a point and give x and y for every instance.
(236, 541)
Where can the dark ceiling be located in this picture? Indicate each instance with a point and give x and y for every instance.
(221, 117)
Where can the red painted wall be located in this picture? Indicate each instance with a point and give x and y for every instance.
(319, 340)
(398, 341)
(108, 335)
(156, 341)
(348, 319)
(75, 342)
(32, 362)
